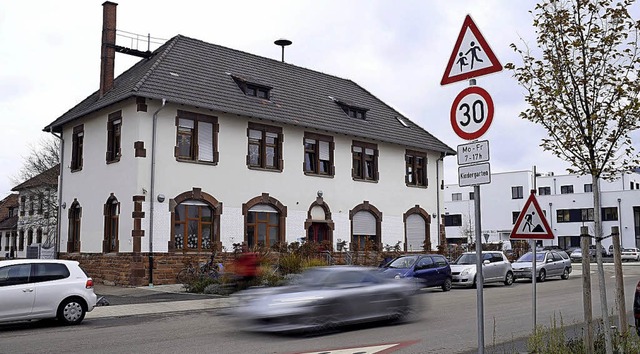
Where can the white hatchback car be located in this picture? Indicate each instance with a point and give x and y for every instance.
(44, 288)
(496, 268)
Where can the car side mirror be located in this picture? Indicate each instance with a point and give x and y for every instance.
(486, 261)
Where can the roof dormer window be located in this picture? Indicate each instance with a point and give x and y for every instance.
(251, 88)
(350, 109)
(354, 112)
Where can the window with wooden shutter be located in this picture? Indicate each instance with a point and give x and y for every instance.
(77, 142)
(318, 154)
(416, 232)
(196, 137)
(114, 132)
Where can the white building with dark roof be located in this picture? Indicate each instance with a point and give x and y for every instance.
(198, 147)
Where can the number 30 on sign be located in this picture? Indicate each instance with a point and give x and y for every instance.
(472, 113)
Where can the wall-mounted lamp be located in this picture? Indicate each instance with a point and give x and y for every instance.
(434, 215)
(161, 198)
(320, 194)
(64, 205)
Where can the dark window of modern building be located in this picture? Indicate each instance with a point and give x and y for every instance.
(566, 189)
(544, 190)
(588, 187)
(471, 195)
(453, 220)
(517, 192)
(456, 196)
(514, 216)
(610, 214)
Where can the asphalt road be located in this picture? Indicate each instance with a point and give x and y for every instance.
(448, 325)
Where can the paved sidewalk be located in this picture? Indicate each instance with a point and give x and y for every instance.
(144, 300)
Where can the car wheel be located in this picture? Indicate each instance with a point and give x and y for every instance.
(508, 279)
(447, 285)
(565, 274)
(71, 311)
(542, 276)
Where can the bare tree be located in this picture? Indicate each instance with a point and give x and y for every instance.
(42, 156)
(582, 86)
(37, 183)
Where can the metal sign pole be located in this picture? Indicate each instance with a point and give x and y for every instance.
(533, 282)
(479, 275)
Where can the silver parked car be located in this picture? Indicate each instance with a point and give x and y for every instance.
(496, 268)
(548, 264)
(323, 298)
(32, 289)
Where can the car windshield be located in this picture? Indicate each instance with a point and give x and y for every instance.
(403, 262)
(466, 258)
(528, 257)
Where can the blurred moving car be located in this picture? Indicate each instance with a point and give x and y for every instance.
(636, 308)
(495, 268)
(428, 270)
(323, 298)
(548, 264)
(630, 254)
(45, 288)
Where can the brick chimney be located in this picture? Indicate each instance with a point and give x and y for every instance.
(108, 51)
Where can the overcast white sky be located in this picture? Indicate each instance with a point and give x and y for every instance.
(397, 50)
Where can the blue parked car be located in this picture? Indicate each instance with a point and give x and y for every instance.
(429, 270)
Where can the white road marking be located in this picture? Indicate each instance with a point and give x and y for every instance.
(360, 350)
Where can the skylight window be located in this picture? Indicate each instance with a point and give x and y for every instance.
(404, 124)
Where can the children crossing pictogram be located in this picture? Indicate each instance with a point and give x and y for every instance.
(471, 56)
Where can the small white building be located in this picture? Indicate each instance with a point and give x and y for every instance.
(566, 201)
(200, 147)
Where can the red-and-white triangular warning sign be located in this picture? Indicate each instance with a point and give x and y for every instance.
(471, 56)
(532, 224)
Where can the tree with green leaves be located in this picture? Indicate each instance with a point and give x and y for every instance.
(582, 85)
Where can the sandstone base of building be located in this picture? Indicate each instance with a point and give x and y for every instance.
(128, 269)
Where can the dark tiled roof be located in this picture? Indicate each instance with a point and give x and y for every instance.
(192, 72)
(10, 201)
(9, 223)
(46, 178)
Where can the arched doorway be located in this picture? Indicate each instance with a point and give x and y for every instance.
(319, 226)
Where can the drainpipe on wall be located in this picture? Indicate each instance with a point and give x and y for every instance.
(442, 156)
(56, 246)
(152, 188)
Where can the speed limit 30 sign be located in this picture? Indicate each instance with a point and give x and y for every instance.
(472, 113)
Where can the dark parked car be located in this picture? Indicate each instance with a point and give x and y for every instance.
(428, 270)
(322, 298)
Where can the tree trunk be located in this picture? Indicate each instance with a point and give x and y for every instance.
(586, 289)
(617, 261)
(601, 281)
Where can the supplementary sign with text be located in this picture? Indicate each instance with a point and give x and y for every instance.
(471, 175)
(475, 152)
